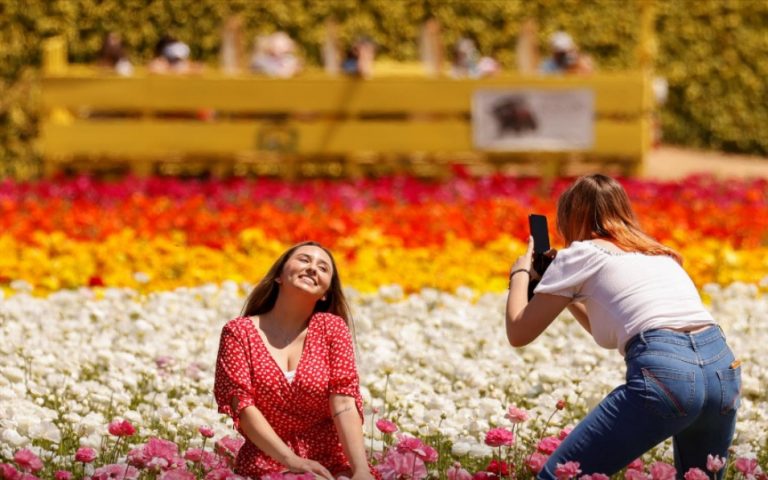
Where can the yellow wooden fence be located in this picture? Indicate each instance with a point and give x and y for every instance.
(225, 122)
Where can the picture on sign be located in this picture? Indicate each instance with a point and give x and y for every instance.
(533, 120)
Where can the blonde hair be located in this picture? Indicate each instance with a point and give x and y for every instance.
(596, 206)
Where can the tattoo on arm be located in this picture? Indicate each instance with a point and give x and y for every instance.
(336, 414)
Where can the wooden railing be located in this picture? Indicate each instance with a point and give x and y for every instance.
(227, 122)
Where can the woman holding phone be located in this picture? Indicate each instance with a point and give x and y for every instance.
(630, 293)
(286, 373)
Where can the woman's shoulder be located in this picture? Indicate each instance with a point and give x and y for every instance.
(330, 323)
(238, 324)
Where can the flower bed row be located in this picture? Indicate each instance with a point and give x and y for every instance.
(150, 361)
(164, 233)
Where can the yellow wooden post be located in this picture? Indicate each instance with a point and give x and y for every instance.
(646, 58)
(54, 56)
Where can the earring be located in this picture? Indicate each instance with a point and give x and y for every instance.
(277, 281)
(323, 298)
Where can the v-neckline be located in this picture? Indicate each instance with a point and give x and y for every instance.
(272, 358)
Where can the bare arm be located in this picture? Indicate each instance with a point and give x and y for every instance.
(525, 321)
(260, 433)
(350, 431)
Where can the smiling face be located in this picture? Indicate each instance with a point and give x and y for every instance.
(310, 269)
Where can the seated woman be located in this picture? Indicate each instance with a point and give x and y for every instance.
(286, 373)
(632, 294)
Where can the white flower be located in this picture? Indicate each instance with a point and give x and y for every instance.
(13, 438)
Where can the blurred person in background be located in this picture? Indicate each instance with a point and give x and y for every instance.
(286, 373)
(231, 50)
(275, 56)
(112, 55)
(431, 48)
(358, 59)
(565, 57)
(172, 56)
(467, 62)
(631, 294)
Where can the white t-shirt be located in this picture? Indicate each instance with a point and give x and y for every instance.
(625, 293)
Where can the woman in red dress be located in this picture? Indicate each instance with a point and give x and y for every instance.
(286, 373)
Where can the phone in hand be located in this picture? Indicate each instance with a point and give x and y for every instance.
(540, 233)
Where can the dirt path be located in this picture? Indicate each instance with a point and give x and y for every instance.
(668, 163)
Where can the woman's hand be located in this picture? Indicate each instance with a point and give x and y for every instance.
(297, 464)
(525, 261)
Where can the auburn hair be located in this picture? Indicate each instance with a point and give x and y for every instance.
(596, 206)
(264, 295)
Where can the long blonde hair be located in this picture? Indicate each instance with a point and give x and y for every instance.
(596, 206)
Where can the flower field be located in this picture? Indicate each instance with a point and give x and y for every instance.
(113, 295)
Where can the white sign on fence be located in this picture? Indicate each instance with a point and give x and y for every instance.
(533, 120)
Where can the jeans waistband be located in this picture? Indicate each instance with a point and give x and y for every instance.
(663, 335)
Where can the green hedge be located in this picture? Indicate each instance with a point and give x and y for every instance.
(713, 52)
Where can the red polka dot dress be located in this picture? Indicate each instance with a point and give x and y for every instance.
(298, 411)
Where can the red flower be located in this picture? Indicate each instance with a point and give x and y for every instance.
(205, 431)
(121, 428)
(85, 455)
(499, 437)
(499, 468)
(386, 426)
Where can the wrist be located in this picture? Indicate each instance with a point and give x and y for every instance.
(519, 272)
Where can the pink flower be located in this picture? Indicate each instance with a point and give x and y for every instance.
(457, 473)
(222, 474)
(636, 464)
(229, 446)
(516, 415)
(499, 437)
(386, 426)
(402, 466)
(115, 471)
(695, 474)
(564, 433)
(209, 460)
(536, 461)
(499, 468)
(662, 471)
(62, 475)
(206, 431)
(177, 474)
(595, 476)
(121, 428)
(746, 466)
(483, 475)
(632, 474)
(156, 454)
(548, 445)
(567, 470)
(561, 404)
(8, 472)
(715, 464)
(26, 460)
(85, 455)
(407, 444)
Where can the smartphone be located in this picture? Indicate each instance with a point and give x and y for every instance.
(540, 233)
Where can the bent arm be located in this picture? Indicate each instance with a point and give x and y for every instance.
(350, 430)
(260, 433)
(526, 320)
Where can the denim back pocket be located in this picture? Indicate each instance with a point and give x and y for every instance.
(730, 386)
(669, 393)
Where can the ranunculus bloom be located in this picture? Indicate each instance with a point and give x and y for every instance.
(567, 470)
(114, 471)
(121, 428)
(386, 426)
(156, 454)
(62, 475)
(696, 474)
(402, 465)
(229, 446)
(564, 433)
(457, 473)
(715, 464)
(205, 431)
(499, 437)
(85, 455)
(177, 474)
(407, 444)
(595, 476)
(662, 471)
(482, 475)
(746, 466)
(632, 474)
(7, 471)
(636, 464)
(516, 415)
(535, 462)
(222, 474)
(499, 468)
(26, 460)
(560, 404)
(548, 445)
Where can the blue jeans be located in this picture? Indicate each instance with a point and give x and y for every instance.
(680, 385)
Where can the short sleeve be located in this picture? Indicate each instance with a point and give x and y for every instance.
(233, 374)
(343, 377)
(570, 269)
